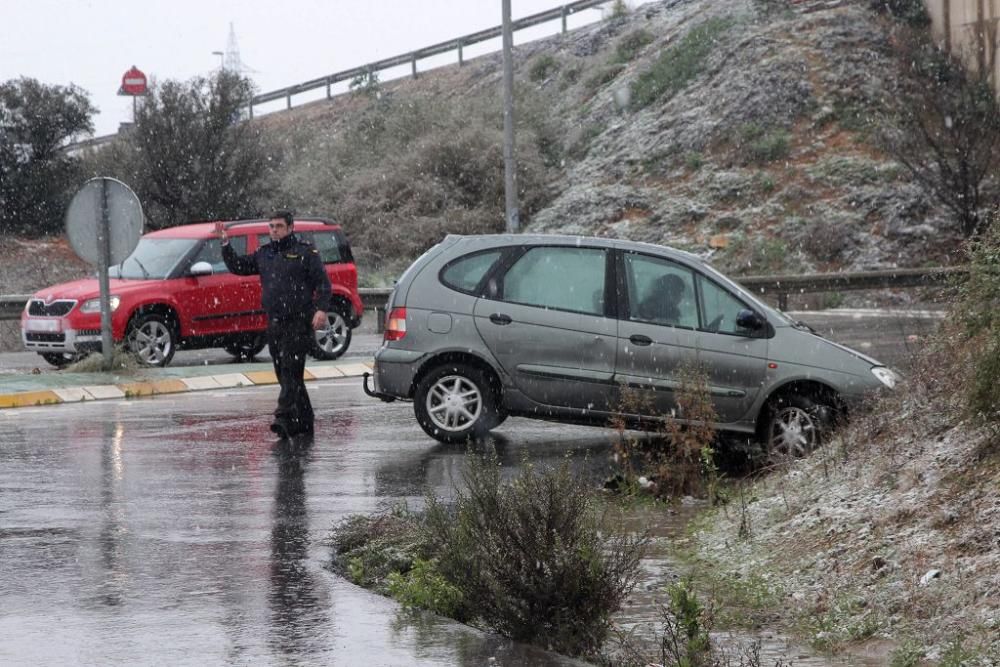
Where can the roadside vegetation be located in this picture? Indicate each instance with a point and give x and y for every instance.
(887, 533)
(536, 559)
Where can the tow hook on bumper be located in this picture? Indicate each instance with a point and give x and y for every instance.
(375, 394)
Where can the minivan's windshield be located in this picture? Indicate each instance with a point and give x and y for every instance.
(153, 259)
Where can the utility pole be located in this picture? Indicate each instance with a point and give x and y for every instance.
(509, 164)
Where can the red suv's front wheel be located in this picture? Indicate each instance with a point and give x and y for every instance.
(152, 339)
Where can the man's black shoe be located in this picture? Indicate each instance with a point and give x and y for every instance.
(280, 429)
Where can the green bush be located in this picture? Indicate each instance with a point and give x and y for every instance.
(423, 587)
(760, 145)
(679, 64)
(531, 558)
(980, 313)
(913, 12)
(631, 44)
(542, 67)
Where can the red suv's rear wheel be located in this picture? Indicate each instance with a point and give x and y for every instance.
(334, 339)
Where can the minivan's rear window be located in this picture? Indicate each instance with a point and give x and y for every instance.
(464, 273)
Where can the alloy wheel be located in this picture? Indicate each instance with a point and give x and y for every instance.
(793, 433)
(152, 343)
(453, 403)
(332, 338)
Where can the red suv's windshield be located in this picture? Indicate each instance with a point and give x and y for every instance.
(153, 259)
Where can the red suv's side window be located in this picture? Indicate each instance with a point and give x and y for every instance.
(326, 242)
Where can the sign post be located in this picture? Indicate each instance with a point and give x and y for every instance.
(104, 223)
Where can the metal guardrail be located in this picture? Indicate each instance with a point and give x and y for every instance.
(781, 286)
(412, 57)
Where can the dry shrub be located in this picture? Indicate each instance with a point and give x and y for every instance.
(679, 460)
(533, 558)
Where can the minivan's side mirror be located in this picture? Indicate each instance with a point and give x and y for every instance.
(201, 269)
(748, 319)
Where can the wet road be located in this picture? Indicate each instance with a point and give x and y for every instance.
(170, 531)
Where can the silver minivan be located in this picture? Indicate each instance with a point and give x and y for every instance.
(480, 328)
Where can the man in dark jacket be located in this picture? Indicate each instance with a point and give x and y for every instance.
(296, 294)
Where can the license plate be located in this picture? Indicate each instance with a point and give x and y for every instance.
(44, 325)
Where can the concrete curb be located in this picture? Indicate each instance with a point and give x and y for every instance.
(140, 389)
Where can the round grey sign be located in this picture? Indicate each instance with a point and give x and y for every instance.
(85, 220)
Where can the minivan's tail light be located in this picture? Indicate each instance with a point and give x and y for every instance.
(395, 324)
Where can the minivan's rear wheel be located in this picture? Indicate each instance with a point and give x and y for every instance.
(455, 402)
(333, 339)
(152, 340)
(796, 425)
(246, 348)
(60, 359)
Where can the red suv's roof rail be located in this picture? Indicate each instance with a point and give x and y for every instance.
(233, 223)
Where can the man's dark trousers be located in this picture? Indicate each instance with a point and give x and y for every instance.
(288, 342)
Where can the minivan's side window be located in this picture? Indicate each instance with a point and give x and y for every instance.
(465, 273)
(720, 309)
(660, 291)
(559, 278)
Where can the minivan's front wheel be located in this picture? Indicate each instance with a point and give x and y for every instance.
(333, 339)
(152, 340)
(796, 425)
(455, 402)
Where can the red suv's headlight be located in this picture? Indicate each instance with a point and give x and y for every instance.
(395, 324)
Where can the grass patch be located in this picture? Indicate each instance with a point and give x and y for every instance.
(760, 145)
(122, 361)
(679, 64)
(631, 45)
(578, 149)
(543, 67)
(602, 77)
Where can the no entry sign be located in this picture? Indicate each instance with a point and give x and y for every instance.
(133, 82)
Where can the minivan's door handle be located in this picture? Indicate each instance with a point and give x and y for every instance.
(500, 318)
(639, 339)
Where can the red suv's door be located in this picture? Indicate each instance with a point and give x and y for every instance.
(222, 302)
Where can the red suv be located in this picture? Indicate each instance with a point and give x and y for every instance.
(174, 291)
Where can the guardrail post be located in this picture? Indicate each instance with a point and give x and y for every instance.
(563, 12)
(288, 100)
(251, 111)
(413, 63)
(460, 62)
(782, 301)
(328, 95)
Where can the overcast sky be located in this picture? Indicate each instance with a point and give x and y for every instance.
(92, 43)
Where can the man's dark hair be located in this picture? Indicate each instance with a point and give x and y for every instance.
(287, 215)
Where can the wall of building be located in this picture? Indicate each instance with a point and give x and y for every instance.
(969, 28)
